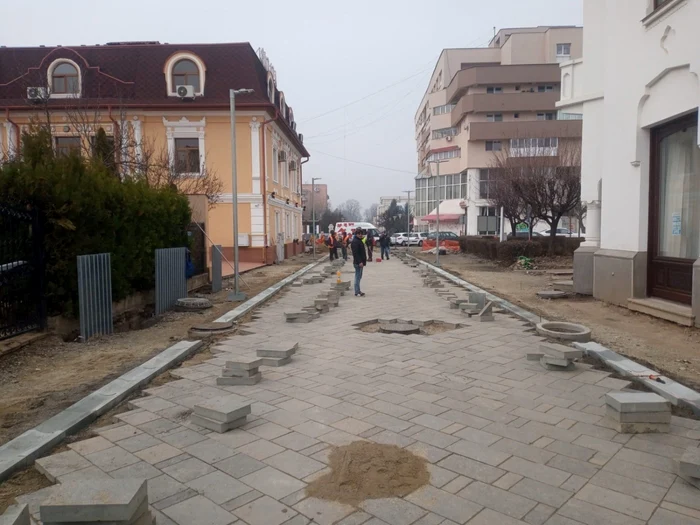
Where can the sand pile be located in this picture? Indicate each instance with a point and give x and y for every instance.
(365, 470)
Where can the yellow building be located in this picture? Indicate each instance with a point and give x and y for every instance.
(171, 101)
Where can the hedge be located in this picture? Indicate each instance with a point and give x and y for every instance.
(510, 250)
(88, 210)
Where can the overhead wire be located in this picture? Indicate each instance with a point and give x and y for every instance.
(364, 163)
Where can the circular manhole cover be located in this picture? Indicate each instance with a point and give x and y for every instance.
(213, 327)
(564, 331)
(399, 328)
(192, 303)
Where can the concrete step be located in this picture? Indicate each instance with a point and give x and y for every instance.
(681, 314)
(563, 286)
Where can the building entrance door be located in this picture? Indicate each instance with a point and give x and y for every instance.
(674, 209)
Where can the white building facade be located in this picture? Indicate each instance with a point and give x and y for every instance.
(638, 90)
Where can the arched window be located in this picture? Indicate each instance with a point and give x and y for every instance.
(271, 89)
(186, 73)
(65, 79)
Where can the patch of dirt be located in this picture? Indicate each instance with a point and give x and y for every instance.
(664, 346)
(437, 327)
(365, 470)
(22, 482)
(45, 377)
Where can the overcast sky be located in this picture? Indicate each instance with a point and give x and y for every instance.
(327, 55)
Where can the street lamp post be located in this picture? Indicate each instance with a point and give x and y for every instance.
(237, 295)
(313, 213)
(437, 222)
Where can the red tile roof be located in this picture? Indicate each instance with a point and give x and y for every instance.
(132, 76)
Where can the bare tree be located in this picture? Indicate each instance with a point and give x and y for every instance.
(545, 174)
(503, 193)
(371, 213)
(351, 210)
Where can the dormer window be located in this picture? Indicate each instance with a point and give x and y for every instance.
(64, 79)
(270, 89)
(186, 73)
(185, 69)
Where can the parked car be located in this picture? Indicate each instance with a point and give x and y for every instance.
(560, 232)
(400, 239)
(523, 235)
(416, 239)
(444, 236)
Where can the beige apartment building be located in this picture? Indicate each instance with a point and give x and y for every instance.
(480, 100)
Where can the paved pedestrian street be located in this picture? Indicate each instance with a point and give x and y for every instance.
(507, 442)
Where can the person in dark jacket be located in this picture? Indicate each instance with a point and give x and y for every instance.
(359, 259)
(369, 243)
(333, 245)
(384, 245)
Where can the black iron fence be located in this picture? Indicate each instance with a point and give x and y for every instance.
(22, 271)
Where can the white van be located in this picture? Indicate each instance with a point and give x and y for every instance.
(348, 227)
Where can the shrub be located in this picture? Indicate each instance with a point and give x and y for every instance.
(509, 251)
(88, 210)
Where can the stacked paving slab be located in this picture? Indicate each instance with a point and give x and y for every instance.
(277, 355)
(301, 316)
(98, 501)
(242, 371)
(689, 466)
(221, 414)
(638, 412)
(556, 357)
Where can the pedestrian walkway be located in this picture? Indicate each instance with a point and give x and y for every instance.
(507, 442)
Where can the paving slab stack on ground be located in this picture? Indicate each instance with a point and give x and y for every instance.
(224, 413)
(506, 441)
(242, 371)
(638, 412)
(554, 356)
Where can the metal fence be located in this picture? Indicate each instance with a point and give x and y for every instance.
(95, 295)
(22, 271)
(216, 269)
(171, 278)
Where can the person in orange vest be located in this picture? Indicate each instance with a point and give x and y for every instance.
(333, 245)
(344, 241)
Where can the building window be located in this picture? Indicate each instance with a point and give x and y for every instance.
(186, 73)
(66, 146)
(543, 89)
(444, 155)
(187, 155)
(65, 79)
(270, 89)
(563, 50)
(516, 115)
(184, 69)
(275, 165)
(445, 132)
(494, 117)
(517, 88)
(492, 89)
(486, 176)
(285, 174)
(441, 110)
(493, 145)
(546, 116)
(488, 222)
(534, 147)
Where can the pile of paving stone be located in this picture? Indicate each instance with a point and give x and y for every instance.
(638, 412)
(221, 414)
(242, 371)
(98, 501)
(300, 316)
(277, 354)
(556, 357)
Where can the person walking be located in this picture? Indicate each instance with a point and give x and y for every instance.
(333, 245)
(384, 245)
(344, 241)
(369, 242)
(359, 260)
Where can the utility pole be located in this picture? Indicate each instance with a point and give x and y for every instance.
(408, 212)
(237, 295)
(313, 213)
(437, 222)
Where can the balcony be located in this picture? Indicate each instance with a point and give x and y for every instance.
(525, 129)
(504, 102)
(498, 75)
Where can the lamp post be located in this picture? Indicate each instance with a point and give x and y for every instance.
(437, 222)
(313, 213)
(237, 295)
(408, 212)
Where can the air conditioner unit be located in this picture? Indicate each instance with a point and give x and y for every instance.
(294, 126)
(185, 91)
(301, 138)
(449, 138)
(282, 156)
(36, 93)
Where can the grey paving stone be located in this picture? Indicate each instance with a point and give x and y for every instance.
(440, 476)
(539, 514)
(497, 499)
(435, 438)
(356, 518)
(474, 451)
(524, 451)
(637, 402)
(273, 482)
(323, 512)
(183, 438)
(218, 487)
(478, 436)
(690, 462)
(313, 429)
(684, 494)
(388, 422)
(491, 517)
(15, 515)
(294, 464)
(471, 468)
(667, 517)
(571, 450)
(92, 472)
(631, 487)
(162, 487)
(158, 453)
(234, 503)
(139, 442)
(394, 511)
(198, 510)
(140, 470)
(616, 501)
(111, 459)
(429, 452)
(185, 494)
(210, 451)
(88, 446)
(118, 432)
(541, 492)
(638, 417)
(239, 465)
(528, 469)
(590, 514)
(59, 464)
(269, 431)
(444, 504)
(260, 449)
(574, 466)
(639, 472)
(189, 469)
(506, 481)
(217, 426)
(86, 501)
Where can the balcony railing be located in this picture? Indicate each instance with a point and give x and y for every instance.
(505, 102)
(525, 129)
